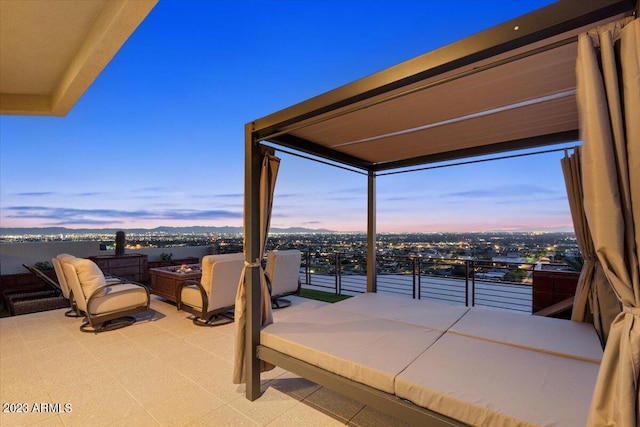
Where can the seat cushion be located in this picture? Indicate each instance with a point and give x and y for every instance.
(89, 275)
(556, 336)
(484, 383)
(191, 296)
(430, 314)
(118, 297)
(363, 348)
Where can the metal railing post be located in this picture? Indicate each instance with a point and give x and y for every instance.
(337, 268)
(466, 283)
(414, 277)
(473, 283)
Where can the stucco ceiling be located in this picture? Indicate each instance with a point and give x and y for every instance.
(51, 51)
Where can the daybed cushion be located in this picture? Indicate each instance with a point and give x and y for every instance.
(556, 336)
(362, 348)
(431, 314)
(483, 383)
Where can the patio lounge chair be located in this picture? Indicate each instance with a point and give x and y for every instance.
(283, 276)
(215, 294)
(48, 297)
(106, 306)
(57, 266)
(57, 262)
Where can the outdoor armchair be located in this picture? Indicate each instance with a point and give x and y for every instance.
(106, 306)
(215, 293)
(283, 276)
(57, 262)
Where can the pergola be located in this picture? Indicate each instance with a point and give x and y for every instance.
(508, 88)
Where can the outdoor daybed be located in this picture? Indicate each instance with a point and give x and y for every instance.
(477, 366)
(563, 73)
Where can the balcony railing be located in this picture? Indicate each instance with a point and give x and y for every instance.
(506, 285)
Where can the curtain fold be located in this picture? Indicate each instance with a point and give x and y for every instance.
(268, 176)
(608, 93)
(594, 299)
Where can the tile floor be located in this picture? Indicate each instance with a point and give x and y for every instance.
(161, 371)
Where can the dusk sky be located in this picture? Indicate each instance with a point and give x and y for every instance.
(158, 138)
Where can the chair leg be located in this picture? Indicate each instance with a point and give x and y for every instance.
(214, 320)
(72, 313)
(280, 303)
(109, 325)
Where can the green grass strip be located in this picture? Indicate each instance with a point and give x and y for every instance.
(322, 296)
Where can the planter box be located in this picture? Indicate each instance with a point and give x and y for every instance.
(550, 287)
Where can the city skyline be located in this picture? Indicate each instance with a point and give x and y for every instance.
(157, 140)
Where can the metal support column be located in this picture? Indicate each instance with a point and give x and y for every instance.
(372, 285)
(252, 252)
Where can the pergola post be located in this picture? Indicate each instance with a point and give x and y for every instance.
(251, 253)
(371, 233)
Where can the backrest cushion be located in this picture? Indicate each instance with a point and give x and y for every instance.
(283, 270)
(208, 262)
(89, 275)
(225, 278)
(57, 266)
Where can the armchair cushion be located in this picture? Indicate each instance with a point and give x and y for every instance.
(191, 296)
(118, 297)
(283, 271)
(89, 274)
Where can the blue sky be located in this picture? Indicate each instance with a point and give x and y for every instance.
(158, 138)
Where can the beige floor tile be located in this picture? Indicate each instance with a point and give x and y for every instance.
(12, 346)
(293, 384)
(188, 404)
(137, 418)
(224, 416)
(370, 417)
(306, 415)
(20, 381)
(152, 381)
(334, 403)
(267, 408)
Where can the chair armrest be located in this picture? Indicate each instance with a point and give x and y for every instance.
(189, 282)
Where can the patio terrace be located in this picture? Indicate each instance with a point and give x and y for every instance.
(161, 371)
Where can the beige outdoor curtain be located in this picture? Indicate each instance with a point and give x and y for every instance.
(608, 93)
(268, 175)
(594, 295)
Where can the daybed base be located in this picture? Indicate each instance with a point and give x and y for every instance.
(402, 409)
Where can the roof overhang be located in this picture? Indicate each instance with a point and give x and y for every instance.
(51, 51)
(506, 88)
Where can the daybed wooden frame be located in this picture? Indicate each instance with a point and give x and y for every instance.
(282, 129)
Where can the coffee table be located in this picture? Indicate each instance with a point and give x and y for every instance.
(165, 280)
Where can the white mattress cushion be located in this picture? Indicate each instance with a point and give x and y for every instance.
(363, 348)
(431, 314)
(556, 336)
(483, 383)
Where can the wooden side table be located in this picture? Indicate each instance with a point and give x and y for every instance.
(165, 280)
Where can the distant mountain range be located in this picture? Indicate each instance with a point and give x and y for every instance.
(182, 230)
